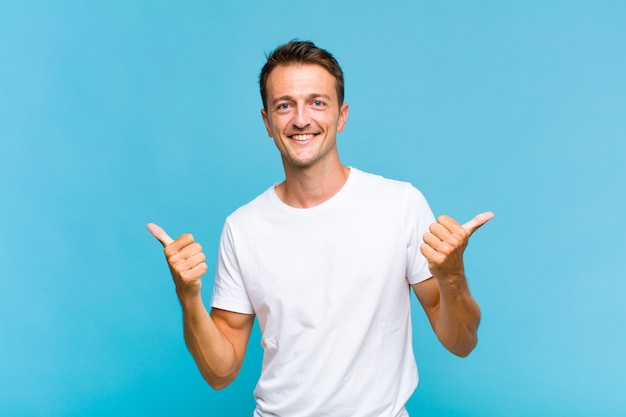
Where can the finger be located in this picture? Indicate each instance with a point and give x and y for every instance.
(431, 255)
(435, 242)
(195, 260)
(160, 234)
(183, 247)
(447, 222)
(443, 228)
(478, 221)
(196, 272)
(187, 258)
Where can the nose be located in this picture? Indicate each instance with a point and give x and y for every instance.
(301, 117)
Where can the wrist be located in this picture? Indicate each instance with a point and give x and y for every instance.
(189, 297)
(453, 283)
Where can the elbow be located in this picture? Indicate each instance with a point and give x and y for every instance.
(462, 353)
(467, 338)
(463, 350)
(218, 385)
(218, 382)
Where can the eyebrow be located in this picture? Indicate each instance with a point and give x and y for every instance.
(287, 97)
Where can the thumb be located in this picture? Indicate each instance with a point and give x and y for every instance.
(160, 234)
(478, 221)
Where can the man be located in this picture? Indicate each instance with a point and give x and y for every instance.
(325, 260)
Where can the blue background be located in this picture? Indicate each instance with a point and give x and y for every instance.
(115, 114)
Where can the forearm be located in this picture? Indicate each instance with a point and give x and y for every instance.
(453, 313)
(458, 317)
(216, 342)
(212, 351)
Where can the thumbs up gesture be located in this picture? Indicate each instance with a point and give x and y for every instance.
(445, 243)
(185, 258)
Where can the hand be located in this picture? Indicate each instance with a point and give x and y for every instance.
(445, 243)
(185, 259)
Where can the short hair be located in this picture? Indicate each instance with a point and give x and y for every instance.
(301, 52)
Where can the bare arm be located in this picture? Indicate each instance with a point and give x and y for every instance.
(217, 341)
(452, 311)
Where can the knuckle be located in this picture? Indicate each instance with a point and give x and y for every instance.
(461, 232)
(454, 241)
(187, 276)
(175, 258)
(169, 251)
(436, 259)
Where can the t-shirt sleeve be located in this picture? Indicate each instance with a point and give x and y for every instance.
(229, 291)
(418, 220)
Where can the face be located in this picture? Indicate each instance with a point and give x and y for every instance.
(303, 114)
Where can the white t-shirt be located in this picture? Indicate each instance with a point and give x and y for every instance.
(330, 288)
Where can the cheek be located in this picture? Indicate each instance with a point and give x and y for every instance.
(277, 125)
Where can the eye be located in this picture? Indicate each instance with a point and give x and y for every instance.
(283, 108)
(318, 103)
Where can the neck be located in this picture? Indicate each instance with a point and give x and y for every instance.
(305, 188)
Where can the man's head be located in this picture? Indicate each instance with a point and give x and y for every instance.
(298, 53)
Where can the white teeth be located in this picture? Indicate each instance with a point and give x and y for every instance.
(302, 137)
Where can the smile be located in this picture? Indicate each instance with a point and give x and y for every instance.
(303, 137)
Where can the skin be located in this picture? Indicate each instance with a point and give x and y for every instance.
(302, 104)
(303, 117)
(452, 311)
(217, 341)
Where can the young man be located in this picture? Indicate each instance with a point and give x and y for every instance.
(325, 260)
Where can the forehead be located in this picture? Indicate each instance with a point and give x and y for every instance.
(300, 79)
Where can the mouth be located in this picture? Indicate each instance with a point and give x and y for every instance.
(303, 137)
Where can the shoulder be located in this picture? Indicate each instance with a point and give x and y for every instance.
(377, 184)
(400, 199)
(251, 211)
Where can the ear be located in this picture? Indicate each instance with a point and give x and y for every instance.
(266, 121)
(343, 117)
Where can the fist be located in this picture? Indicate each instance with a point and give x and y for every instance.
(185, 259)
(445, 243)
